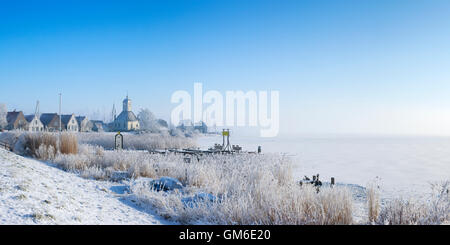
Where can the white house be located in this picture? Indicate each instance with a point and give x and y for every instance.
(34, 123)
(69, 122)
(84, 124)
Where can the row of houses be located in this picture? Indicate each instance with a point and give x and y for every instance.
(51, 122)
(188, 126)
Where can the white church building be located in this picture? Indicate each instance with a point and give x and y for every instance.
(127, 120)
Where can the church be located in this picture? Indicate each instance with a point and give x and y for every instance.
(126, 121)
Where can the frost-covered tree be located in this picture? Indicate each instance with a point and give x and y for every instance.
(3, 114)
(163, 123)
(148, 121)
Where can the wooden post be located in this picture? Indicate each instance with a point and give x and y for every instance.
(118, 141)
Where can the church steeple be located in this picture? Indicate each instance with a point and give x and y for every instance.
(127, 104)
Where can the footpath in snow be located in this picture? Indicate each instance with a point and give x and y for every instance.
(34, 192)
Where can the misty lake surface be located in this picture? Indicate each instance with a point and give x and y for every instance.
(404, 166)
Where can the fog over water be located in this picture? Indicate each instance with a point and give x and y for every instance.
(404, 165)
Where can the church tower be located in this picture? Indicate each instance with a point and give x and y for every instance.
(126, 104)
(126, 121)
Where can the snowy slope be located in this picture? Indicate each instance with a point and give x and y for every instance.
(34, 192)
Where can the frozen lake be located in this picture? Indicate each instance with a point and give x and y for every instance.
(404, 165)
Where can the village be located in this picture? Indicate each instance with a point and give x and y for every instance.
(126, 121)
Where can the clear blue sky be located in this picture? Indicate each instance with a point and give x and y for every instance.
(340, 66)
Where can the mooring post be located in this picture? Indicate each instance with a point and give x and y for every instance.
(332, 181)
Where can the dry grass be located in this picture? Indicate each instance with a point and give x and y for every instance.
(373, 202)
(40, 145)
(68, 143)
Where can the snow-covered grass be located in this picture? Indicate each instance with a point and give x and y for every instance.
(249, 189)
(431, 211)
(145, 141)
(243, 188)
(132, 141)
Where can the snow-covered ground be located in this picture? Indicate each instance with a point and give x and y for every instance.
(34, 192)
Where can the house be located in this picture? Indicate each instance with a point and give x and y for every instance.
(84, 124)
(127, 120)
(98, 126)
(16, 120)
(50, 121)
(34, 123)
(69, 123)
(186, 126)
(201, 127)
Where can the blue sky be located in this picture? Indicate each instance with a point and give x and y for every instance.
(357, 67)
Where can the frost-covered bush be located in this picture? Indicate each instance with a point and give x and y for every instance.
(11, 137)
(434, 210)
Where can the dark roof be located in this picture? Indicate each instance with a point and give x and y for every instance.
(29, 118)
(66, 118)
(80, 119)
(97, 124)
(46, 118)
(127, 116)
(11, 117)
(97, 121)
